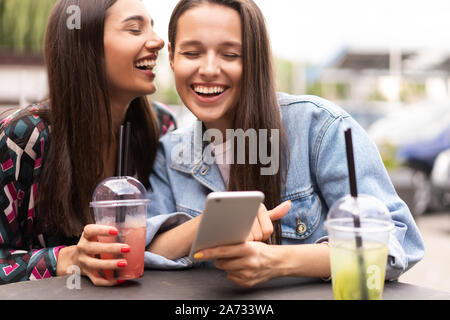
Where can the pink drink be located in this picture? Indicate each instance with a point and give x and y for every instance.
(121, 202)
(107, 274)
(135, 238)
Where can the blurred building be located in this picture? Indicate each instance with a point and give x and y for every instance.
(23, 78)
(391, 75)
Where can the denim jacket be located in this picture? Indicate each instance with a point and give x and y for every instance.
(317, 177)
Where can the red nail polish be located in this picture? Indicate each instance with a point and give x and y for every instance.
(121, 281)
(113, 232)
(122, 264)
(125, 249)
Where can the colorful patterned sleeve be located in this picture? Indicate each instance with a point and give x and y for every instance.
(22, 256)
(166, 117)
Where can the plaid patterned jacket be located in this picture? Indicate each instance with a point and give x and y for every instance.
(24, 254)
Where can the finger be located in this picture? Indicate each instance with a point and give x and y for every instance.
(266, 226)
(101, 282)
(232, 251)
(280, 211)
(94, 247)
(256, 230)
(262, 208)
(90, 264)
(93, 230)
(230, 264)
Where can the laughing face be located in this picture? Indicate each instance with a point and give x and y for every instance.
(131, 50)
(207, 63)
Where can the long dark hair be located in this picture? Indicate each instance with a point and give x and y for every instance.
(258, 105)
(80, 118)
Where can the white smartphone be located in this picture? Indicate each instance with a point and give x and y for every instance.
(227, 219)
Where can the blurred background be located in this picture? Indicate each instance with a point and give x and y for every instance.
(386, 62)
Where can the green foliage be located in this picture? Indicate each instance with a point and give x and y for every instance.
(332, 91)
(342, 90)
(412, 91)
(388, 153)
(315, 89)
(376, 95)
(23, 24)
(285, 73)
(167, 95)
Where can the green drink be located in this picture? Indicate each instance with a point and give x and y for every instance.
(346, 271)
(358, 254)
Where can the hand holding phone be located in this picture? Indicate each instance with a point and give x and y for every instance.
(227, 219)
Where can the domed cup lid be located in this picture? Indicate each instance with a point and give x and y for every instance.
(373, 214)
(119, 191)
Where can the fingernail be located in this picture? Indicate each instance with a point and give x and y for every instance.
(121, 281)
(125, 249)
(122, 264)
(113, 232)
(198, 255)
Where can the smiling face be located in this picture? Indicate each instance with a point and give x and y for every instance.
(131, 50)
(207, 63)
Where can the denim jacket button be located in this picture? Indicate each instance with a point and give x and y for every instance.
(301, 227)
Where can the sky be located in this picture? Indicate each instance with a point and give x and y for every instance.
(315, 31)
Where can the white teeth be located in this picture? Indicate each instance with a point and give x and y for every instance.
(208, 90)
(150, 64)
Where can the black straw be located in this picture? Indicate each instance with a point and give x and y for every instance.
(356, 220)
(351, 163)
(126, 157)
(120, 217)
(120, 152)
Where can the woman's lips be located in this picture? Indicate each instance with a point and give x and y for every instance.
(206, 99)
(148, 73)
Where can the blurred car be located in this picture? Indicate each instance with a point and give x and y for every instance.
(420, 134)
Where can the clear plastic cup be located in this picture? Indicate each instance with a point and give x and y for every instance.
(120, 202)
(358, 255)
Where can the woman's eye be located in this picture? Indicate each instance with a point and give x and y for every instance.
(231, 55)
(135, 31)
(190, 54)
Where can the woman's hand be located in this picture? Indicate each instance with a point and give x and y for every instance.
(86, 253)
(263, 227)
(247, 264)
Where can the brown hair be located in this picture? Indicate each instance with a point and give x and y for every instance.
(258, 104)
(80, 118)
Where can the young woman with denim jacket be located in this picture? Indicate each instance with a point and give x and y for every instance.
(220, 55)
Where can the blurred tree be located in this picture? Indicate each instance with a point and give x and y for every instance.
(284, 74)
(377, 95)
(167, 94)
(23, 24)
(315, 89)
(412, 91)
(388, 152)
(342, 90)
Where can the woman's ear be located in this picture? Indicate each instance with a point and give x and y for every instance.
(171, 54)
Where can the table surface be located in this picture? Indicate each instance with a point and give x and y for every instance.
(197, 284)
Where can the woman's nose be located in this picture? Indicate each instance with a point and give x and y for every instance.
(210, 67)
(154, 43)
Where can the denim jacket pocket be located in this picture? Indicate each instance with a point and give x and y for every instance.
(304, 216)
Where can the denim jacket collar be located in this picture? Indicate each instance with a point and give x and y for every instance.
(192, 159)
